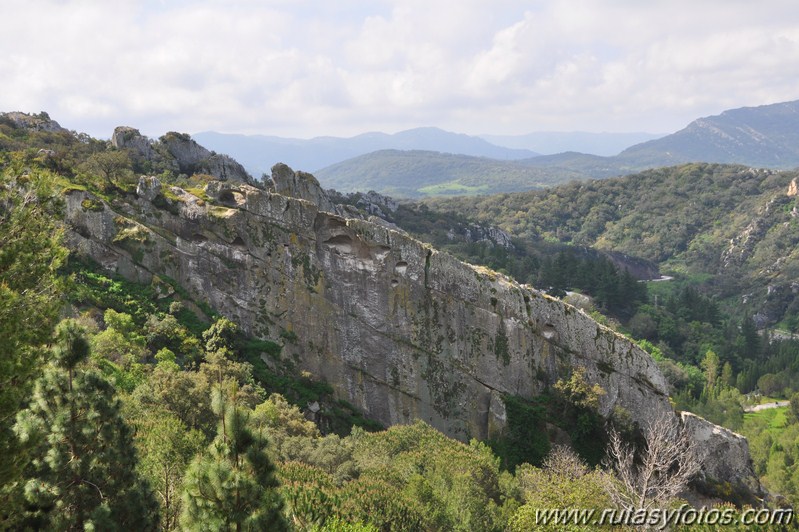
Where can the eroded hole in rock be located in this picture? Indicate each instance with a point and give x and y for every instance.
(380, 252)
(354, 247)
(227, 196)
(401, 267)
(333, 223)
(548, 331)
(238, 243)
(394, 282)
(340, 243)
(82, 230)
(198, 237)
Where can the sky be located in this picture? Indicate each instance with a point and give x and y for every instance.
(307, 68)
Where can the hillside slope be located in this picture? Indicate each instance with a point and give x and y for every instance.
(387, 324)
(765, 136)
(431, 162)
(413, 174)
(731, 221)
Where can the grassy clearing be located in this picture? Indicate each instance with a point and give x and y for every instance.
(776, 419)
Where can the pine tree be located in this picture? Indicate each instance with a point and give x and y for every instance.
(232, 486)
(30, 254)
(83, 471)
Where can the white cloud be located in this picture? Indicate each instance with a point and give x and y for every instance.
(309, 67)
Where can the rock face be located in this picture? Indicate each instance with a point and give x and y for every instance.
(148, 188)
(125, 137)
(300, 185)
(398, 329)
(723, 453)
(481, 233)
(40, 122)
(178, 152)
(377, 204)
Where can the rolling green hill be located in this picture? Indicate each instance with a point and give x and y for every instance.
(417, 173)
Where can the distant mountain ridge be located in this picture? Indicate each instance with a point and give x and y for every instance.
(430, 161)
(258, 153)
(760, 137)
(764, 136)
(553, 142)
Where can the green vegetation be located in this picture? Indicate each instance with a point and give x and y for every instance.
(83, 468)
(715, 229)
(30, 255)
(773, 442)
(687, 212)
(453, 188)
(232, 485)
(774, 420)
(414, 174)
(525, 440)
(146, 410)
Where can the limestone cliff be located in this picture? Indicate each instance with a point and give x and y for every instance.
(399, 329)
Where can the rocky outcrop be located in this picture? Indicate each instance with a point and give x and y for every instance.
(743, 245)
(401, 330)
(300, 185)
(184, 149)
(40, 122)
(398, 329)
(225, 168)
(376, 204)
(480, 233)
(793, 189)
(148, 188)
(129, 138)
(178, 152)
(724, 455)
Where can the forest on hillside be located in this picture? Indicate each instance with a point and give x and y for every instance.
(128, 406)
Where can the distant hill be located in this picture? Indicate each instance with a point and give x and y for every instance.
(765, 136)
(552, 142)
(418, 173)
(581, 165)
(258, 153)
